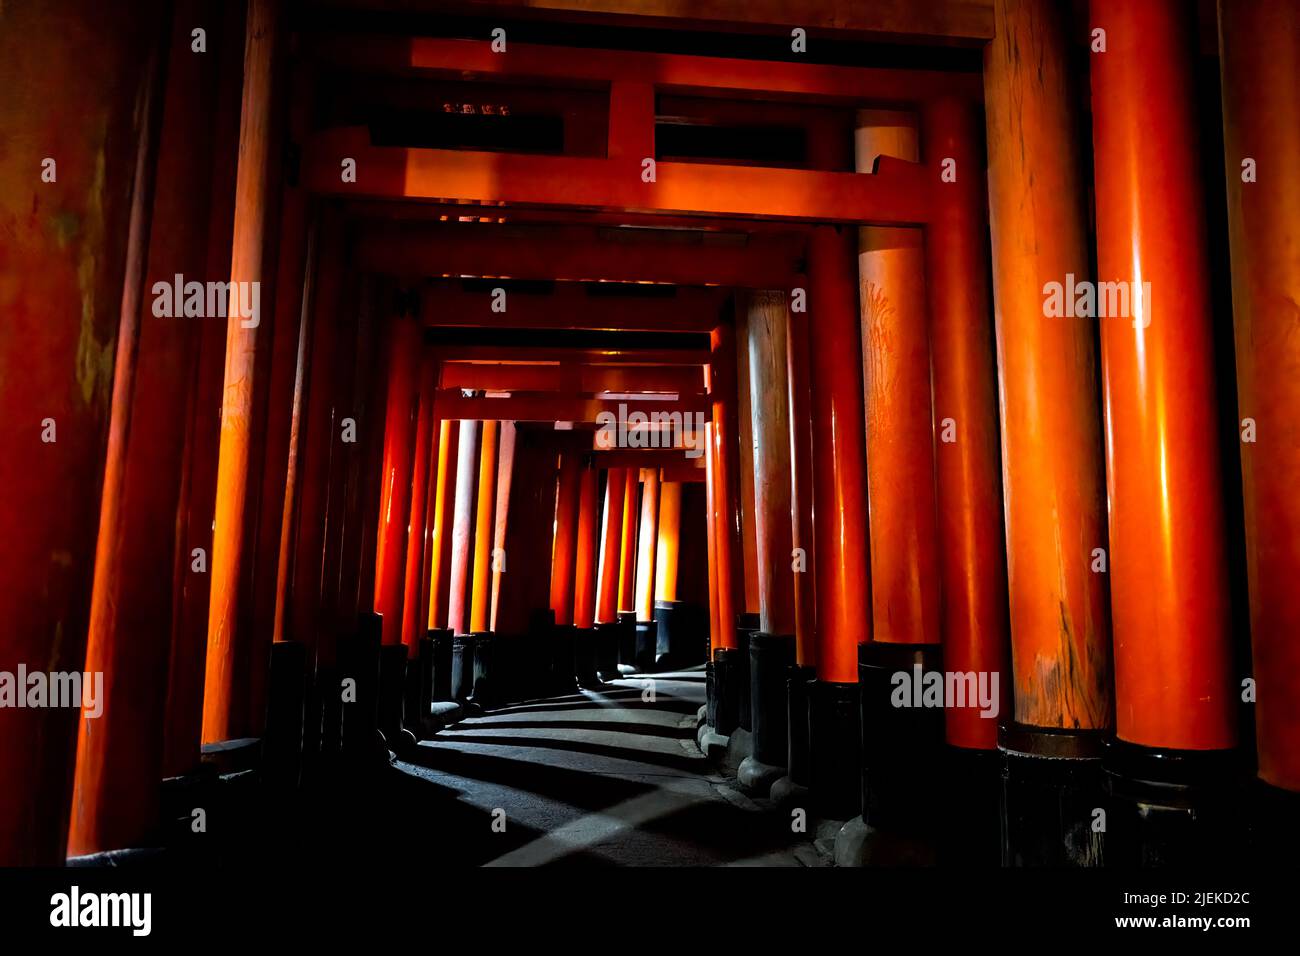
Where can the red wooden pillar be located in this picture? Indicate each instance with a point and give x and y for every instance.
(585, 565)
(248, 343)
(711, 537)
(900, 425)
(803, 549)
(413, 626)
(645, 563)
(399, 459)
(119, 751)
(564, 547)
(745, 452)
(967, 464)
(484, 528)
(839, 470)
(501, 525)
(611, 546)
(1169, 576)
(65, 68)
(726, 453)
(668, 544)
(1261, 86)
(769, 401)
(440, 536)
(1054, 496)
(627, 543)
(463, 528)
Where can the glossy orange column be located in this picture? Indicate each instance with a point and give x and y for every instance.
(444, 501)
(66, 68)
(585, 565)
(803, 550)
(668, 540)
(900, 424)
(1261, 100)
(968, 473)
(501, 521)
(711, 537)
(564, 546)
(248, 342)
(745, 461)
(484, 528)
(611, 546)
(627, 543)
(400, 417)
(839, 454)
(1051, 433)
(645, 562)
(765, 354)
(412, 599)
(462, 533)
(726, 485)
(1169, 576)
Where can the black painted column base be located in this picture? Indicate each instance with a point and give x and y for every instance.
(362, 741)
(392, 693)
(647, 645)
(792, 789)
(562, 672)
(627, 642)
(968, 811)
(1173, 807)
(1275, 834)
(326, 693)
(283, 740)
(746, 627)
(727, 678)
(771, 656)
(1052, 792)
(835, 745)
(462, 667)
(441, 639)
(484, 690)
(606, 638)
(584, 657)
(682, 635)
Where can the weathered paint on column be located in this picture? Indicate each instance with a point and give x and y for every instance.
(611, 546)
(667, 550)
(484, 527)
(645, 562)
(248, 343)
(462, 533)
(803, 550)
(1047, 376)
(585, 565)
(839, 454)
(1168, 563)
(967, 464)
(1261, 103)
(402, 411)
(766, 357)
(726, 485)
(746, 438)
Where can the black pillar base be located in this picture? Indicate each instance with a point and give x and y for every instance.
(647, 645)
(770, 658)
(835, 736)
(392, 694)
(1275, 837)
(627, 641)
(562, 673)
(327, 704)
(485, 670)
(606, 638)
(441, 639)
(902, 746)
(799, 748)
(746, 627)
(711, 694)
(362, 741)
(728, 675)
(462, 667)
(968, 808)
(681, 634)
(584, 657)
(282, 742)
(1052, 786)
(1173, 807)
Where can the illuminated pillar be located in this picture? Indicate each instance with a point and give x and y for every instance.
(667, 539)
(501, 522)
(627, 543)
(462, 533)
(646, 637)
(1261, 100)
(412, 599)
(613, 520)
(745, 461)
(440, 537)
(726, 484)
(584, 575)
(772, 648)
(1051, 435)
(564, 547)
(484, 527)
